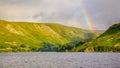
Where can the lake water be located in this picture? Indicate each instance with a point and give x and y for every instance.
(59, 60)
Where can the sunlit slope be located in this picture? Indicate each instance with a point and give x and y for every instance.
(70, 33)
(109, 41)
(32, 35)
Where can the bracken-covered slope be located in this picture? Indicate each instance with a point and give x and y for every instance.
(109, 41)
(27, 36)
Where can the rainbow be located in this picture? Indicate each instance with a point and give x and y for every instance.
(87, 17)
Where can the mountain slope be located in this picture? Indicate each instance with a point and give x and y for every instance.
(109, 41)
(23, 36)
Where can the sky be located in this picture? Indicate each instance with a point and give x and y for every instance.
(86, 14)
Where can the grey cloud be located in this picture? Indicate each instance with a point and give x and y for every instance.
(103, 13)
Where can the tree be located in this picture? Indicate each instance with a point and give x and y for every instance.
(48, 47)
(23, 45)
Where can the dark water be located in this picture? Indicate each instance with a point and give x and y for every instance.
(59, 60)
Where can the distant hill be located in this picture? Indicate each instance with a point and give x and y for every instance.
(109, 41)
(30, 36)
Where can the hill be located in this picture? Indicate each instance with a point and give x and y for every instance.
(109, 41)
(30, 36)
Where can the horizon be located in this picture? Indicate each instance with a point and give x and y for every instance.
(85, 14)
(47, 23)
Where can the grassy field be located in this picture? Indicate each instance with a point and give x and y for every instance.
(51, 37)
(109, 41)
(30, 36)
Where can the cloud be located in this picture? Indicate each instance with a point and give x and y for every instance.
(103, 13)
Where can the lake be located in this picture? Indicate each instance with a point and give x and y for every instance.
(59, 60)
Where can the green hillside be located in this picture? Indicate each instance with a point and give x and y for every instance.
(30, 36)
(109, 41)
